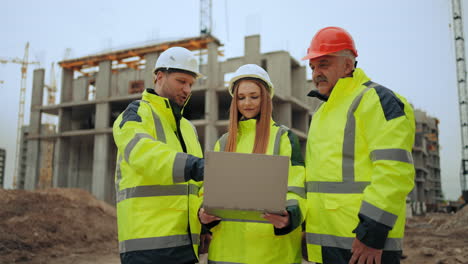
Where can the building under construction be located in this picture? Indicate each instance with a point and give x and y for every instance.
(427, 192)
(95, 89)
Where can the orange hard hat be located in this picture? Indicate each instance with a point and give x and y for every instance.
(329, 40)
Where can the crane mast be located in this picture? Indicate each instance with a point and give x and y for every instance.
(24, 72)
(462, 90)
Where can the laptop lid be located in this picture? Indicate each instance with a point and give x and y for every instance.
(242, 186)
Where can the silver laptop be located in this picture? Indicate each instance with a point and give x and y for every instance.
(243, 186)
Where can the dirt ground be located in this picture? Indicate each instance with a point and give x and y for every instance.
(56, 226)
(71, 226)
(437, 238)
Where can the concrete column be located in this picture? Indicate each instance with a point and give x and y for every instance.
(73, 168)
(211, 98)
(38, 89)
(80, 89)
(33, 154)
(151, 59)
(62, 163)
(103, 79)
(100, 185)
(66, 92)
(102, 116)
(62, 150)
(110, 195)
(298, 80)
(252, 50)
(279, 69)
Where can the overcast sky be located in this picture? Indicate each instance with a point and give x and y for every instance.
(405, 45)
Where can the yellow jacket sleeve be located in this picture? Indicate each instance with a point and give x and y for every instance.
(136, 138)
(388, 126)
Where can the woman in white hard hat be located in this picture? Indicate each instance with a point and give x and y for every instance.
(252, 130)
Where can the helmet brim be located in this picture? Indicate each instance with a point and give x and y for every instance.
(268, 83)
(197, 74)
(314, 55)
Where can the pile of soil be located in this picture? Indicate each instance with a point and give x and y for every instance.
(46, 226)
(458, 221)
(437, 238)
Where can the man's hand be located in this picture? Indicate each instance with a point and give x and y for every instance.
(363, 254)
(206, 218)
(205, 240)
(279, 221)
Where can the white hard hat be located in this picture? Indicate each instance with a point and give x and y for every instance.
(251, 71)
(178, 58)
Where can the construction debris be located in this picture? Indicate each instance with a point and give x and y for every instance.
(456, 222)
(437, 238)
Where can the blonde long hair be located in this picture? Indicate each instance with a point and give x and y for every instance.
(262, 132)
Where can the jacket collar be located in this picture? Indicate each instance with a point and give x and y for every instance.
(347, 86)
(315, 93)
(170, 110)
(249, 124)
(343, 86)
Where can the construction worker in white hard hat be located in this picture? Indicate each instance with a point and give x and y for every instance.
(277, 239)
(160, 168)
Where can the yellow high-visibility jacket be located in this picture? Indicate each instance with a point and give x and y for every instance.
(158, 177)
(359, 168)
(246, 241)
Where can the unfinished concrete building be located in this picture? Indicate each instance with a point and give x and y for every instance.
(2, 167)
(44, 163)
(427, 192)
(95, 89)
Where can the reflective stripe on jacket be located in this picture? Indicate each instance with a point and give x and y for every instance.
(156, 199)
(358, 162)
(242, 241)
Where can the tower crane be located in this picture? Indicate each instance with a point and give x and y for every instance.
(205, 17)
(205, 24)
(24, 71)
(52, 87)
(462, 91)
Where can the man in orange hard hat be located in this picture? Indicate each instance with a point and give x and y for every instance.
(359, 167)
